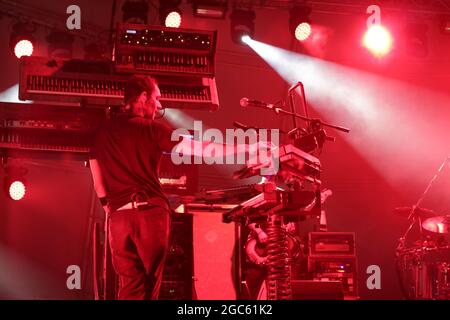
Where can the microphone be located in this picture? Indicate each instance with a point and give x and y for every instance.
(246, 102)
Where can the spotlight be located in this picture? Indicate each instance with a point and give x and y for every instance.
(169, 13)
(17, 190)
(378, 40)
(135, 11)
(60, 44)
(242, 24)
(303, 31)
(15, 185)
(299, 22)
(245, 39)
(21, 40)
(23, 48)
(216, 9)
(173, 20)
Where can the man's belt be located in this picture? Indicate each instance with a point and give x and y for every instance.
(136, 205)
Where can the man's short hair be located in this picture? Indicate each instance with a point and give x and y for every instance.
(136, 85)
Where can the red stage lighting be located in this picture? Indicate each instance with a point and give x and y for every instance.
(303, 31)
(21, 40)
(23, 48)
(17, 190)
(299, 22)
(378, 40)
(245, 38)
(14, 182)
(242, 25)
(169, 13)
(173, 19)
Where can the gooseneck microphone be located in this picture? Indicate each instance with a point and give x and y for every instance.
(246, 102)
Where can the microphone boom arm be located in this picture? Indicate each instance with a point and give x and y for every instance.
(279, 110)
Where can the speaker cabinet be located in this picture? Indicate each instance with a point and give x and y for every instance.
(178, 269)
(214, 256)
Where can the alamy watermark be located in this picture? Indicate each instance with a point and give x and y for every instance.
(74, 20)
(74, 279)
(374, 280)
(252, 146)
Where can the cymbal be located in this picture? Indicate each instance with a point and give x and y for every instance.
(422, 212)
(439, 224)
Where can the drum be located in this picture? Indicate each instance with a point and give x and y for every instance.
(443, 281)
(425, 272)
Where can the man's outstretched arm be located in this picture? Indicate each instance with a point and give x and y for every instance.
(191, 147)
(99, 182)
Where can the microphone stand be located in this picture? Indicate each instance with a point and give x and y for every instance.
(413, 215)
(313, 136)
(281, 111)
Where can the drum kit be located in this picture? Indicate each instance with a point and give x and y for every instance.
(424, 266)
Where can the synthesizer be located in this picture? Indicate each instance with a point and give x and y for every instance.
(160, 50)
(28, 130)
(96, 84)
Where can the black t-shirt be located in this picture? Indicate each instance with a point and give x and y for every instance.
(128, 149)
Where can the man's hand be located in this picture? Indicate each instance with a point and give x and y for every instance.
(259, 146)
(262, 236)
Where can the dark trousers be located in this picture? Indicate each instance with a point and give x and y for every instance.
(139, 241)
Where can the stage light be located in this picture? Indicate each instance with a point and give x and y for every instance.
(60, 44)
(303, 31)
(299, 22)
(173, 20)
(216, 9)
(14, 184)
(23, 48)
(245, 39)
(169, 13)
(135, 11)
(378, 40)
(21, 41)
(17, 190)
(242, 24)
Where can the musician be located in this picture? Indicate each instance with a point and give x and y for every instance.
(124, 161)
